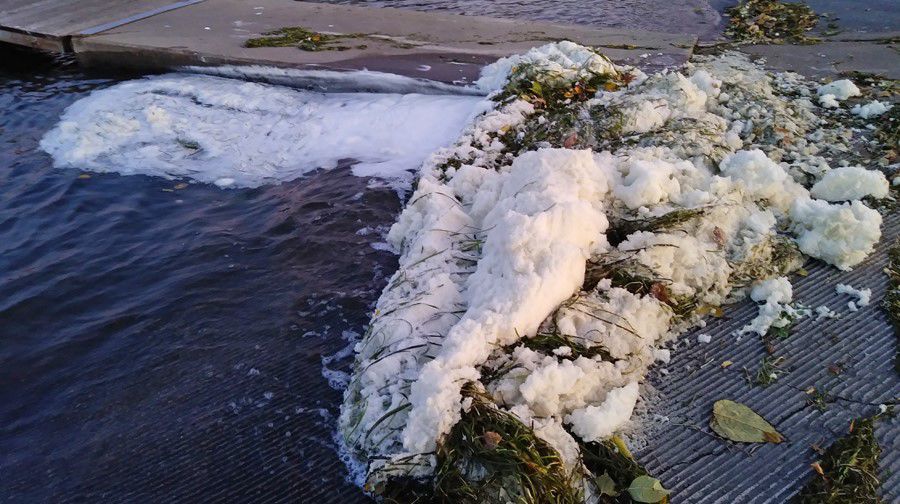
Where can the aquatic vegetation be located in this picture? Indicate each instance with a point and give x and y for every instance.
(888, 133)
(572, 232)
(768, 371)
(848, 470)
(771, 22)
(297, 36)
(512, 463)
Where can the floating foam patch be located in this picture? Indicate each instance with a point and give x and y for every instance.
(243, 134)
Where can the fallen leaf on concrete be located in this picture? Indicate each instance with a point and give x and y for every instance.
(737, 422)
(647, 489)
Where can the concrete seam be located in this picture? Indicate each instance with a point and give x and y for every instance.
(137, 17)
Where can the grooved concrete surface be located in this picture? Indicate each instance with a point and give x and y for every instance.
(874, 53)
(700, 468)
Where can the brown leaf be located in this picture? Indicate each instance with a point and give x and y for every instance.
(570, 141)
(818, 468)
(719, 236)
(491, 440)
(661, 292)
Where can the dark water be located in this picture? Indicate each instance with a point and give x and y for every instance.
(168, 346)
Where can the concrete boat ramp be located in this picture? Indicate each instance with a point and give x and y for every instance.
(160, 34)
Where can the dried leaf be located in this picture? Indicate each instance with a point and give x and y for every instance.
(179, 186)
(739, 423)
(715, 311)
(719, 236)
(606, 485)
(647, 489)
(84, 176)
(491, 440)
(726, 364)
(570, 141)
(818, 468)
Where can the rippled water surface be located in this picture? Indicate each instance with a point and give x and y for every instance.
(166, 344)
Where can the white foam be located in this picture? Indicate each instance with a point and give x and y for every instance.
(334, 81)
(243, 134)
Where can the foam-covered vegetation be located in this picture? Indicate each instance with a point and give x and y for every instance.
(572, 232)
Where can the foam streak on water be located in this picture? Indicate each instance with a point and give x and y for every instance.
(244, 134)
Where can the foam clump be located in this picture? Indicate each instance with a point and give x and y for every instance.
(577, 228)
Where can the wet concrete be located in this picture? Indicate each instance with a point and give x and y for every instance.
(443, 47)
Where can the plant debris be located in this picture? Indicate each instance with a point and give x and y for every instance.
(848, 470)
(768, 371)
(819, 399)
(296, 36)
(771, 22)
(188, 144)
(737, 422)
(622, 479)
(887, 132)
(891, 302)
(514, 464)
(550, 90)
(548, 342)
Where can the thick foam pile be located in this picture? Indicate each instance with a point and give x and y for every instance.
(573, 231)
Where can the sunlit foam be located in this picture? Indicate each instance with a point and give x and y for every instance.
(245, 134)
